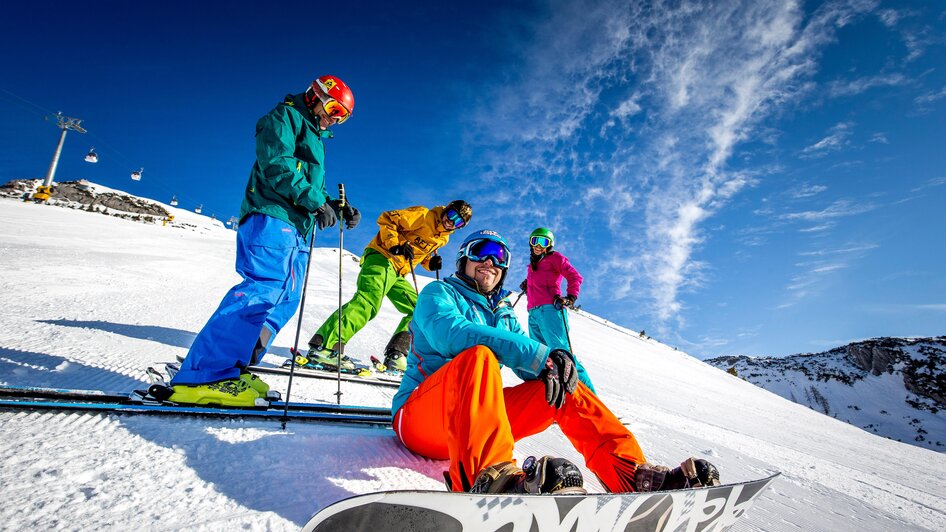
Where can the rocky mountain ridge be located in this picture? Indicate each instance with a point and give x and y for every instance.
(894, 387)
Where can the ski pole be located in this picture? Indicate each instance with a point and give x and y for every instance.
(414, 276)
(567, 334)
(341, 250)
(295, 345)
(517, 299)
(437, 271)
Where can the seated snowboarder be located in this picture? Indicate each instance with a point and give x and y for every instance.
(405, 238)
(452, 404)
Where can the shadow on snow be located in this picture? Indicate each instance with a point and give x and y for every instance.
(292, 473)
(164, 335)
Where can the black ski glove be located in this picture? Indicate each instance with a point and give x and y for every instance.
(559, 376)
(325, 216)
(350, 214)
(561, 302)
(524, 285)
(435, 263)
(404, 250)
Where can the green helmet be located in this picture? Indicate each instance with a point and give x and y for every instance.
(542, 237)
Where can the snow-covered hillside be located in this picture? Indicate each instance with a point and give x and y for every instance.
(894, 387)
(89, 301)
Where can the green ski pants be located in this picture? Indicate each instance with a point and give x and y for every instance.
(376, 280)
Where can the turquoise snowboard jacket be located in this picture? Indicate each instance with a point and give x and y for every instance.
(451, 317)
(288, 178)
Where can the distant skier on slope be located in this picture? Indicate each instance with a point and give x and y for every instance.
(548, 320)
(452, 404)
(406, 238)
(285, 198)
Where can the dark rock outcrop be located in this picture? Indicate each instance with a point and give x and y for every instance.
(83, 193)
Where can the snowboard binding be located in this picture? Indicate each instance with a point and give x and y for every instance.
(692, 473)
(537, 476)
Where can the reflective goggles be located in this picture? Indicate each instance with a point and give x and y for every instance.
(334, 108)
(542, 241)
(480, 250)
(455, 217)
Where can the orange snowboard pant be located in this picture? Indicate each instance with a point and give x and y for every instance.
(462, 412)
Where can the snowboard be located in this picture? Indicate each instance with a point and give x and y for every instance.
(706, 509)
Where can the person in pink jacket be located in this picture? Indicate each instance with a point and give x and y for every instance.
(548, 320)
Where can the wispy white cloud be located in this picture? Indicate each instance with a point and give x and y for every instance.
(837, 139)
(807, 191)
(819, 269)
(880, 138)
(839, 251)
(935, 182)
(817, 228)
(857, 86)
(628, 107)
(838, 209)
(931, 96)
(637, 108)
(889, 17)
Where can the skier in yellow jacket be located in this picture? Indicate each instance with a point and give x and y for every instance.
(406, 238)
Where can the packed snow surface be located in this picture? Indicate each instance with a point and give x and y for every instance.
(90, 301)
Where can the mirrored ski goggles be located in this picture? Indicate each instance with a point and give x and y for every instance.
(334, 109)
(455, 218)
(480, 250)
(542, 241)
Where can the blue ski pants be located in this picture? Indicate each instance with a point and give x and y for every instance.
(272, 256)
(549, 326)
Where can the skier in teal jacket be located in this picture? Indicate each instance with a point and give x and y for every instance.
(285, 198)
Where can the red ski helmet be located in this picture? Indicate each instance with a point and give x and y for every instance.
(335, 89)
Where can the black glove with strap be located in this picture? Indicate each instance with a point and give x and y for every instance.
(435, 263)
(350, 214)
(560, 376)
(567, 301)
(403, 250)
(325, 216)
(524, 285)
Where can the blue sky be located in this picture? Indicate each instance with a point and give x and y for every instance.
(759, 177)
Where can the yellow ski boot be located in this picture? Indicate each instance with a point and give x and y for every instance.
(231, 392)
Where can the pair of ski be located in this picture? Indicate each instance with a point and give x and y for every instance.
(373, 375)
(377, 369)
(154, 401)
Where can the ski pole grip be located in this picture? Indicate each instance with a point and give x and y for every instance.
(341, 194)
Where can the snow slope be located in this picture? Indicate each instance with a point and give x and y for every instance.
(89, 301)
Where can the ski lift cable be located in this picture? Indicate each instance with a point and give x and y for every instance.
(153, 180)
(42, 110)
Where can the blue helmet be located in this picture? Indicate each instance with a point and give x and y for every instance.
(481, 245)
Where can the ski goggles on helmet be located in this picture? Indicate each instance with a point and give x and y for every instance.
(333, 107)
(542, 241)
(455, 218)
(480, 250)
